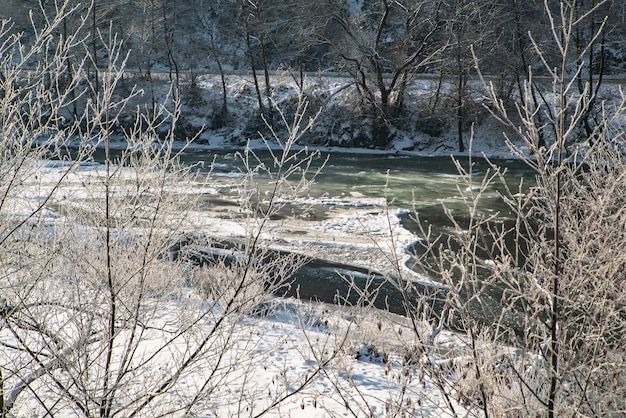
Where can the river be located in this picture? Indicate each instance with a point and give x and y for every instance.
(411, 185)
(418, 184)
(415, 186)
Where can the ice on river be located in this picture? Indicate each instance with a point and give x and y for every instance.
(278, 351)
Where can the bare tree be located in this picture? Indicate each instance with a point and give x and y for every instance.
(538, 298)
(258, 23)
(468, 26)
(384, 45)
(109, 308)
(524, 56)
(220, 33)
(41, 90)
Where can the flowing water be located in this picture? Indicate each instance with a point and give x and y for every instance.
(418, 186)
(422, 185)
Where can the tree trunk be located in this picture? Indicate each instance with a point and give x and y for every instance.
(253, 67)
(94, 48)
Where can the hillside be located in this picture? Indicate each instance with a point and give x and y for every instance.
(399, 75)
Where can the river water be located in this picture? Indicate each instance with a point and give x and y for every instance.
(414, 185)
(418, 184)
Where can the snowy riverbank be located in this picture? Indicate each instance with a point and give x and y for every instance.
(296, 359)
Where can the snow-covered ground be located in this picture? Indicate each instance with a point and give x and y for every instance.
(323, 360)
(337, 124)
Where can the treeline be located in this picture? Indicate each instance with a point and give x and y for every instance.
(381, 44)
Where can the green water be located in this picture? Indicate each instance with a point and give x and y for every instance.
(423, 185)
(412, 182)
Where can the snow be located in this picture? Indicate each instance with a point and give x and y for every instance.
(273, 354)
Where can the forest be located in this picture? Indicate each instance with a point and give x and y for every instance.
(379, 47)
